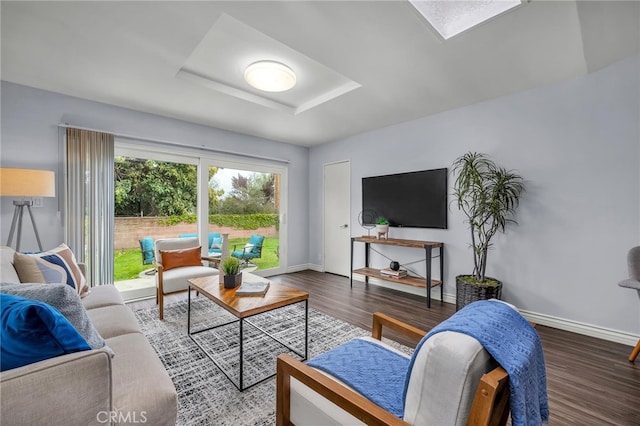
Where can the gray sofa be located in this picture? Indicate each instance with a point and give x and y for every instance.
(90, 387)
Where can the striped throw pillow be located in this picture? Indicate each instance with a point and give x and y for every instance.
(57, 266)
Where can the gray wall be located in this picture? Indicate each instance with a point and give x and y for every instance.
(29, 139)
(578, 146)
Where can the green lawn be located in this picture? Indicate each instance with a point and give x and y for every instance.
(128, 262)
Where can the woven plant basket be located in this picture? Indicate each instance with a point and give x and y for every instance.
(467, 293)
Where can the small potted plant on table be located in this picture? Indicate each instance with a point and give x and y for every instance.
(230, 269)
(382, 228)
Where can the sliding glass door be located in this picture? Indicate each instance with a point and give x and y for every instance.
(155, 196)
(160, 194)
(247, 201)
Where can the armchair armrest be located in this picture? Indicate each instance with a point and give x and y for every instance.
(245, 249)
(47, 391)
(350, 401)
(491, 401)
(380, 320)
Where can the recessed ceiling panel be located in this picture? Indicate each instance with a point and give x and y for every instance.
(220, 60)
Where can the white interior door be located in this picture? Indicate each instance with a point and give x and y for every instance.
(337, 214)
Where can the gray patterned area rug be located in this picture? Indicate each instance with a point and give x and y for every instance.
(205, 395)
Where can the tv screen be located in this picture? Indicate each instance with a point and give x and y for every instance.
(413, 199)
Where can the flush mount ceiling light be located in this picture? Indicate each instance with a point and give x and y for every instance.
(450, 18)
(270, 76)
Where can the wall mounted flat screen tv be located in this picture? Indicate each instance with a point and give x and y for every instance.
(413, 199)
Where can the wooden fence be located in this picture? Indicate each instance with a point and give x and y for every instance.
(129, 230)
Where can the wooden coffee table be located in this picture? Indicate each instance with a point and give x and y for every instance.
(243, 307)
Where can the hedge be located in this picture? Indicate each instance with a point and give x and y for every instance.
(238, 221)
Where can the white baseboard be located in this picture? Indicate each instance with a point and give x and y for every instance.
(582, 328)
(317, 268)
(304, 267)
(542, 319)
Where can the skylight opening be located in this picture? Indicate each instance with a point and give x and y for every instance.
(452, 17)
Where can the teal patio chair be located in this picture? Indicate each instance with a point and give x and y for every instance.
(215, 242)
(148, 254)
(251, 250)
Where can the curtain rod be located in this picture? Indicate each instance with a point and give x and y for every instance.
(176, 144)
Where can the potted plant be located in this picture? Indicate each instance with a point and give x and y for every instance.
(488, 196)
(382, 227)
(230, 269)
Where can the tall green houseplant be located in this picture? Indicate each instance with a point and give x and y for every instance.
(488, 195)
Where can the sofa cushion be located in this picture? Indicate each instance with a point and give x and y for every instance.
(67, 302)
(177, 279)
(65, 390)
(113, 321)
(8, 273)
(33, 331)
(137, 370)
(54, 266)
(102, 295)
(179, 258)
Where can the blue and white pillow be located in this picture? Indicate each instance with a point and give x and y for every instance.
(54, 266)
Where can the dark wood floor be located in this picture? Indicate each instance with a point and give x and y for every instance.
(590, 381)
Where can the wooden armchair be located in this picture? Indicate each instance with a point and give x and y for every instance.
(307, 396)
(177, 261)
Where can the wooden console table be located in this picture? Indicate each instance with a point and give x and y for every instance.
(427, 282)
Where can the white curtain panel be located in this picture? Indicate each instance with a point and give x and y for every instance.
(89, 209)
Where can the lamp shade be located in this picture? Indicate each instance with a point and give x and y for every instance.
(27, 183)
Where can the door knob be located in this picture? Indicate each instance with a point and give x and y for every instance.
(344, 226)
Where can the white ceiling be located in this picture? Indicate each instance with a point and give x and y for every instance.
(361, 65)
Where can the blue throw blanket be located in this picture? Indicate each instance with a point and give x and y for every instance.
(374, 371)
(515, 345)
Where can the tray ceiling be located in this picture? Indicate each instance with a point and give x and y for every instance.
(361, 65)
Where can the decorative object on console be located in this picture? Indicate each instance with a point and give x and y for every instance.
(394, 266)
(488, 195)
(400, 273)
(25, 183)
(367, 219)
(232, 276)
(382, 228)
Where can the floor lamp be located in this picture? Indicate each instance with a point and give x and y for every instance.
(25, 183)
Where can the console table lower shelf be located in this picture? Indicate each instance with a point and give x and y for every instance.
(408, 280)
